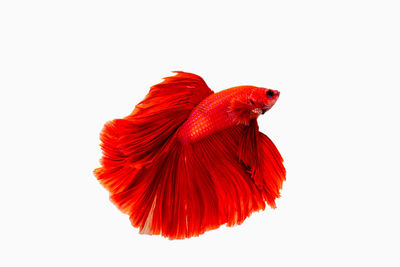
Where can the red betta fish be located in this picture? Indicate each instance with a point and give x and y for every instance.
(188, 160)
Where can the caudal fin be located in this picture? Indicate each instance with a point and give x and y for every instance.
(130, 143)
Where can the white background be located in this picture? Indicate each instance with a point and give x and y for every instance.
(66, 67)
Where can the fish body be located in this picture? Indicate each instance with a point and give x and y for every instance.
(188, 160)
(217, 111)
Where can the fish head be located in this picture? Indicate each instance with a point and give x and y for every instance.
(251, 102)
(260, 100)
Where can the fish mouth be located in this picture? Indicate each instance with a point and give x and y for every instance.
(256, 111)
(259, 111)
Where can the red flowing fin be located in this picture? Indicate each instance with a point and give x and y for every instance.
(239, 111)
(130, 143)
(263, 161)
(192, 188)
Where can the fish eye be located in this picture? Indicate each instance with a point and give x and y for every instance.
(270, 93)
(251, 100)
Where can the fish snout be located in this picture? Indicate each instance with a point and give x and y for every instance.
(257, 111)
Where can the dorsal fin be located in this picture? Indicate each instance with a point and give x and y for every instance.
(183, 91)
